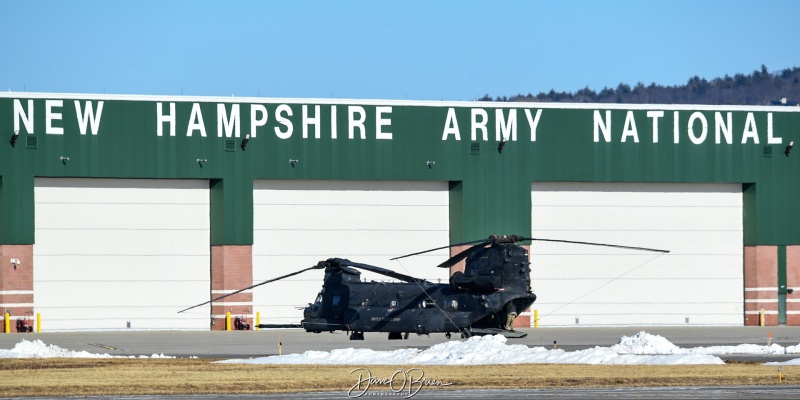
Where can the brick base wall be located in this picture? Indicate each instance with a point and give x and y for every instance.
(461, 264)
(793, 282)
(231, 270)
(761, 285)
(16, 282)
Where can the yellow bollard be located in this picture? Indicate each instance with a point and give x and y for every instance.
(8, 323)
(38, 323)
(535, 318)
(761, 317)
(258, 320)
(228, 321)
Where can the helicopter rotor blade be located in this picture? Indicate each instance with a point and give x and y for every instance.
(382, 271)
(595, 244)
(463, 254)
(250, 287)
(515, 238)
(438, 248)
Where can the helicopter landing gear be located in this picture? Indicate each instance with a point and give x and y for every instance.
(465, 334)
(398, 336)
(357, 336)
(447, 335)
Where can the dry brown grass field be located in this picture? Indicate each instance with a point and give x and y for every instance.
(97, 377)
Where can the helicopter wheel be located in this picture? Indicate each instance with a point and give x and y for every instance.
(465, 334)
(447, 335)
(357, 336)
(405, 336)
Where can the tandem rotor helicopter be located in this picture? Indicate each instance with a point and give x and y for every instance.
(484, 299)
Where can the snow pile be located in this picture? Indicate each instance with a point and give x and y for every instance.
(789, 350)
(645, 343)
(794, 361)
(494, 350)
(639, 349)
(793, 349)
(738, 349)
(38, 349)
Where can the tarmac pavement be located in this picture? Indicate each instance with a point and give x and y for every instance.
(245, 344)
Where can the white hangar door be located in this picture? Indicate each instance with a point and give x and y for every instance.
(299, 223)
(699, 282)
(113, 251)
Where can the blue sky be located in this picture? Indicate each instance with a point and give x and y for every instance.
(420, 50)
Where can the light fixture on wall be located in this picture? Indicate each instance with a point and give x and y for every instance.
(787, 151)
(293, 162)
(245, 142)
(431, 164)
(15, 263)
(501, 146)
(14, 138)
(201, 161)
(64, 160)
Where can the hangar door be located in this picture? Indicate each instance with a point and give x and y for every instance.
(699, 282)
(298, 223)
(113, 251)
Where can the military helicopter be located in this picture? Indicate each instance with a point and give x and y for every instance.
(484, 299)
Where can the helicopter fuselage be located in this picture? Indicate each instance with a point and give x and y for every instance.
(485, 298)
(495, 284)
(406, 307)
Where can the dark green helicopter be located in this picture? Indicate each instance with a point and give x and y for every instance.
(484, 299)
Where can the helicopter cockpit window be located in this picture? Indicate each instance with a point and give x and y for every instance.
(336, 300)
(319, 299)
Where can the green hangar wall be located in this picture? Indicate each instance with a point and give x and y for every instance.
(487, 156)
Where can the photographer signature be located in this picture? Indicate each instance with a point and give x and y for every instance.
(401, 382)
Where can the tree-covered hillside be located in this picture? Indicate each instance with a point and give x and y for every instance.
(759, 88)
